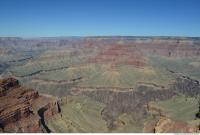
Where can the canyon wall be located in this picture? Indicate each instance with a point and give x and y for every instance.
(135, 101)
(19, 108)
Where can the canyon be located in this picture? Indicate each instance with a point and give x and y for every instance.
(65, 84)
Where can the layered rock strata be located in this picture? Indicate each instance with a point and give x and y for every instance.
(19, 107)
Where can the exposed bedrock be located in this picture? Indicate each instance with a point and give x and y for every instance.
(48, 111)
(166, 125)
(187, 86)
(52, 109)
(19, 106)
(130, 101)
(6, 84)
(134, 101)
(170, 47)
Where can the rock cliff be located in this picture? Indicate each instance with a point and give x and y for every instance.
(19, 107)
(136, 100)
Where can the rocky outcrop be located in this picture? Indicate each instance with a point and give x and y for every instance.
(125, 101)
(136, 100)
(2, 92)
(47, 112)
(155, 110)
(15, 102)
(119, 102)
(19, 106)
(51, 109)
(6, 84)
(187, 86)
(166, 125)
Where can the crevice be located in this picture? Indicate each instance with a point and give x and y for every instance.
(42, 120)
(40, 71)
(19, 60)
(59, 108)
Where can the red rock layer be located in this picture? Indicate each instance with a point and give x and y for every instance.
(133, 52)
(121, 54)
(51, 109)
(19, 107)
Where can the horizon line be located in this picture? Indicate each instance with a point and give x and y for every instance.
(101, 36)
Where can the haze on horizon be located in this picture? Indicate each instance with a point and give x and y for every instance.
(50, 18)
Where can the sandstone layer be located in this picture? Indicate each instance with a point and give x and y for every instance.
(166, 125)
(19, 108)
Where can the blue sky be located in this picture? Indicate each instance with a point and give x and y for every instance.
(39, 18)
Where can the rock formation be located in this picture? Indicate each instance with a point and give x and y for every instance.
(24, 110)
(19, 107)
(135, 100)
(166, 125)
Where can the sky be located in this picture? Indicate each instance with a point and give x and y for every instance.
(49, 18)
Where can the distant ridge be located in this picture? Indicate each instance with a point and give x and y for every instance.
(103, 37)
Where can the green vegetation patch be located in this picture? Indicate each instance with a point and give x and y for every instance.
(186, 66)
(179, 108)
(79, 114)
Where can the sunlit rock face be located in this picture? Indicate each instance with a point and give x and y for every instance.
(19, 106)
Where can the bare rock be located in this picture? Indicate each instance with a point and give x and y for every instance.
(19, 107)
(166, 125)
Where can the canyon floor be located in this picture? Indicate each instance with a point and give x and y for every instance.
(100, 84)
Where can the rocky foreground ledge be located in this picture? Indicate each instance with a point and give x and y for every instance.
(23, 109)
